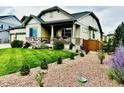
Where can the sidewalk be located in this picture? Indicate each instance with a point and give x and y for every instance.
(7, 45)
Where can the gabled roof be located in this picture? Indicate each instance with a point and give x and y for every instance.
(80, 14)
(24, 18)
(55, 8)
(111, 34)
(7, 16)
(96, 18)
(32, 16)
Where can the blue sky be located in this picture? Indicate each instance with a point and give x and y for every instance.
(110, 16)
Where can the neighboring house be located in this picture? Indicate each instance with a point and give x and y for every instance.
(109, 36)
(7, 22)
(104, 38)
(57, 23)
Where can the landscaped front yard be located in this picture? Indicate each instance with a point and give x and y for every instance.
(66, 74)
(12, 59)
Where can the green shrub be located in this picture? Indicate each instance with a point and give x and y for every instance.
(39, 78)
(25, 70)
(58, 45)
(44, 64)
(77, 51)
(16, 44)
(72, 56)
(111, 73)
(26, 45)
(59, 60)
(108, 48)
(44, 47)
(101, 56)
(71, 46)
(82, 54)
(116, 74)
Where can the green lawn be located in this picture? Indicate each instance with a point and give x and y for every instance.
(11, 59)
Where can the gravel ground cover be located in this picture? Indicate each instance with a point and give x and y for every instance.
(66, 74)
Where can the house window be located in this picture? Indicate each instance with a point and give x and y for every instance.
(84, 30)
(9, 27)
(1, 27)
(51, 15)
(66, 32)
(33, 32)
(93, 35)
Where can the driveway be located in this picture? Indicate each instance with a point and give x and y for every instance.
(5, 45)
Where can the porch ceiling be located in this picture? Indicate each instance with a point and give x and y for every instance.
(59, 22)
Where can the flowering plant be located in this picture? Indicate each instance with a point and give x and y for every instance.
(116, 63)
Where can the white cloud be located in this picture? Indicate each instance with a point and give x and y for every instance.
(110, 17)
(21, 11)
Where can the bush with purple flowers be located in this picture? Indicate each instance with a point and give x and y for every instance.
(117, 65)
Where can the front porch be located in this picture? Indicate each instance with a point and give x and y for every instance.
(66, 32)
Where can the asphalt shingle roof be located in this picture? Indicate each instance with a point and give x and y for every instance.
(2, 17)
(80, 14)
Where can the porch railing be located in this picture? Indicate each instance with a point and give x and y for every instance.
(47, 39)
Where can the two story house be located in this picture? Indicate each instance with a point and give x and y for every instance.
(7, 22)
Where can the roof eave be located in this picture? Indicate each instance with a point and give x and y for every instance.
(56, 8)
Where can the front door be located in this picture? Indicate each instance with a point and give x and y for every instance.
(66, 33)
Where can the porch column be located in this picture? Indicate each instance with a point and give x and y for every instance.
(81, 35)
(73, 33)
(52, 34)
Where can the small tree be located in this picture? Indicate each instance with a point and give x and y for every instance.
(101, 56)
(119, 34)
(82, 54)
(25, 69)
(72, 56)
(77, 51)
(59, 60)
(44, 64)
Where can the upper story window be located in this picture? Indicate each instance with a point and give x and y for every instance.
(33, 32)
(1, 27)
(9, 27)
(51, 15)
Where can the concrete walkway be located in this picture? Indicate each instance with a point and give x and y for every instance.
(7, 45)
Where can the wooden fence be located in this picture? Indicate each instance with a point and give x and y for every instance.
(91, 45)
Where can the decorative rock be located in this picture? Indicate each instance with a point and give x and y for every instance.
(82, 80)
